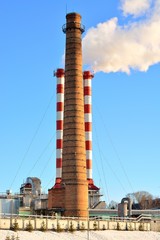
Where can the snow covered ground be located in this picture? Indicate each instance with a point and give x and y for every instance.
(78, 235)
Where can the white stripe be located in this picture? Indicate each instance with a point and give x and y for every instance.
(59, 134)
(59, 115)
(58, 172)
(59, 153)
(89, 173)
(88, 117)
(60, 80)
(60, 97)
(88, 136)
(88, 99)
(89, 154)
(87, 82)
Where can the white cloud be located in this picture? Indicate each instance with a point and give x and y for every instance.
(110, 47)
(135, 7)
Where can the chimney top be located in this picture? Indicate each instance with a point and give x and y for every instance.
(73, 15)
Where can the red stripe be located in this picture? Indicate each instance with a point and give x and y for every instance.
(59, 73)
(59, 163)
(87, 91)
(87, 108)
(89, 164)
(87, 74)
(59, 143)
(88, 145)
(60, 88)
(59, 106)
(58, 181)
(88, 126)
(59, 125)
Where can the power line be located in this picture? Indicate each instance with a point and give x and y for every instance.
(32, 140)
(46, 164)
(115, 150)
(106, 186)
(115, 175)
(42, 153)
(51, 180)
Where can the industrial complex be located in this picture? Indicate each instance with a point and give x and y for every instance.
(74, 193)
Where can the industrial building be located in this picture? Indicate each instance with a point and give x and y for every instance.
(31, 201)
(28, 201)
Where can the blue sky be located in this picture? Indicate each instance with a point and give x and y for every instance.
(121, 45)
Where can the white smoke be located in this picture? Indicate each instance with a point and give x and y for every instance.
(135, 7)
(110, 47)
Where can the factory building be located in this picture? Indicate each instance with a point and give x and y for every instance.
(9, 204)
(30, 199)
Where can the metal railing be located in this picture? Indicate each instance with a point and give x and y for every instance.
(74, 25)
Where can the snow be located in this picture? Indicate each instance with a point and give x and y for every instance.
(81, 235)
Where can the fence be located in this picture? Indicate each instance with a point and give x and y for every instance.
(43, 223)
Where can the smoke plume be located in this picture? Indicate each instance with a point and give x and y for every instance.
(110, 47)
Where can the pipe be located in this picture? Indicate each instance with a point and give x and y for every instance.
(87, 77)
(59, 124)
(129, 205)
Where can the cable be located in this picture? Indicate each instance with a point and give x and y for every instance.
(51, 180)
(32, 140)
(102, 164)
(122, 167)
(46, 164)
(40, 156)
(115, 175)
(115, 150)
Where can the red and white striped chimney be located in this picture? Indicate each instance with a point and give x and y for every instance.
(59, 124)
(87, 78)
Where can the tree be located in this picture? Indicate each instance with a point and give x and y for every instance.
(113, 205)
(143, 198)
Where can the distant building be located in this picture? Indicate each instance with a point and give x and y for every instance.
(28, 201)
(9, 204)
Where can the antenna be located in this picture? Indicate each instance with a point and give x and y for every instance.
(66, 8)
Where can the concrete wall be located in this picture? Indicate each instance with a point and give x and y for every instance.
(155, 225)
(5, 223)
(68, 224)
